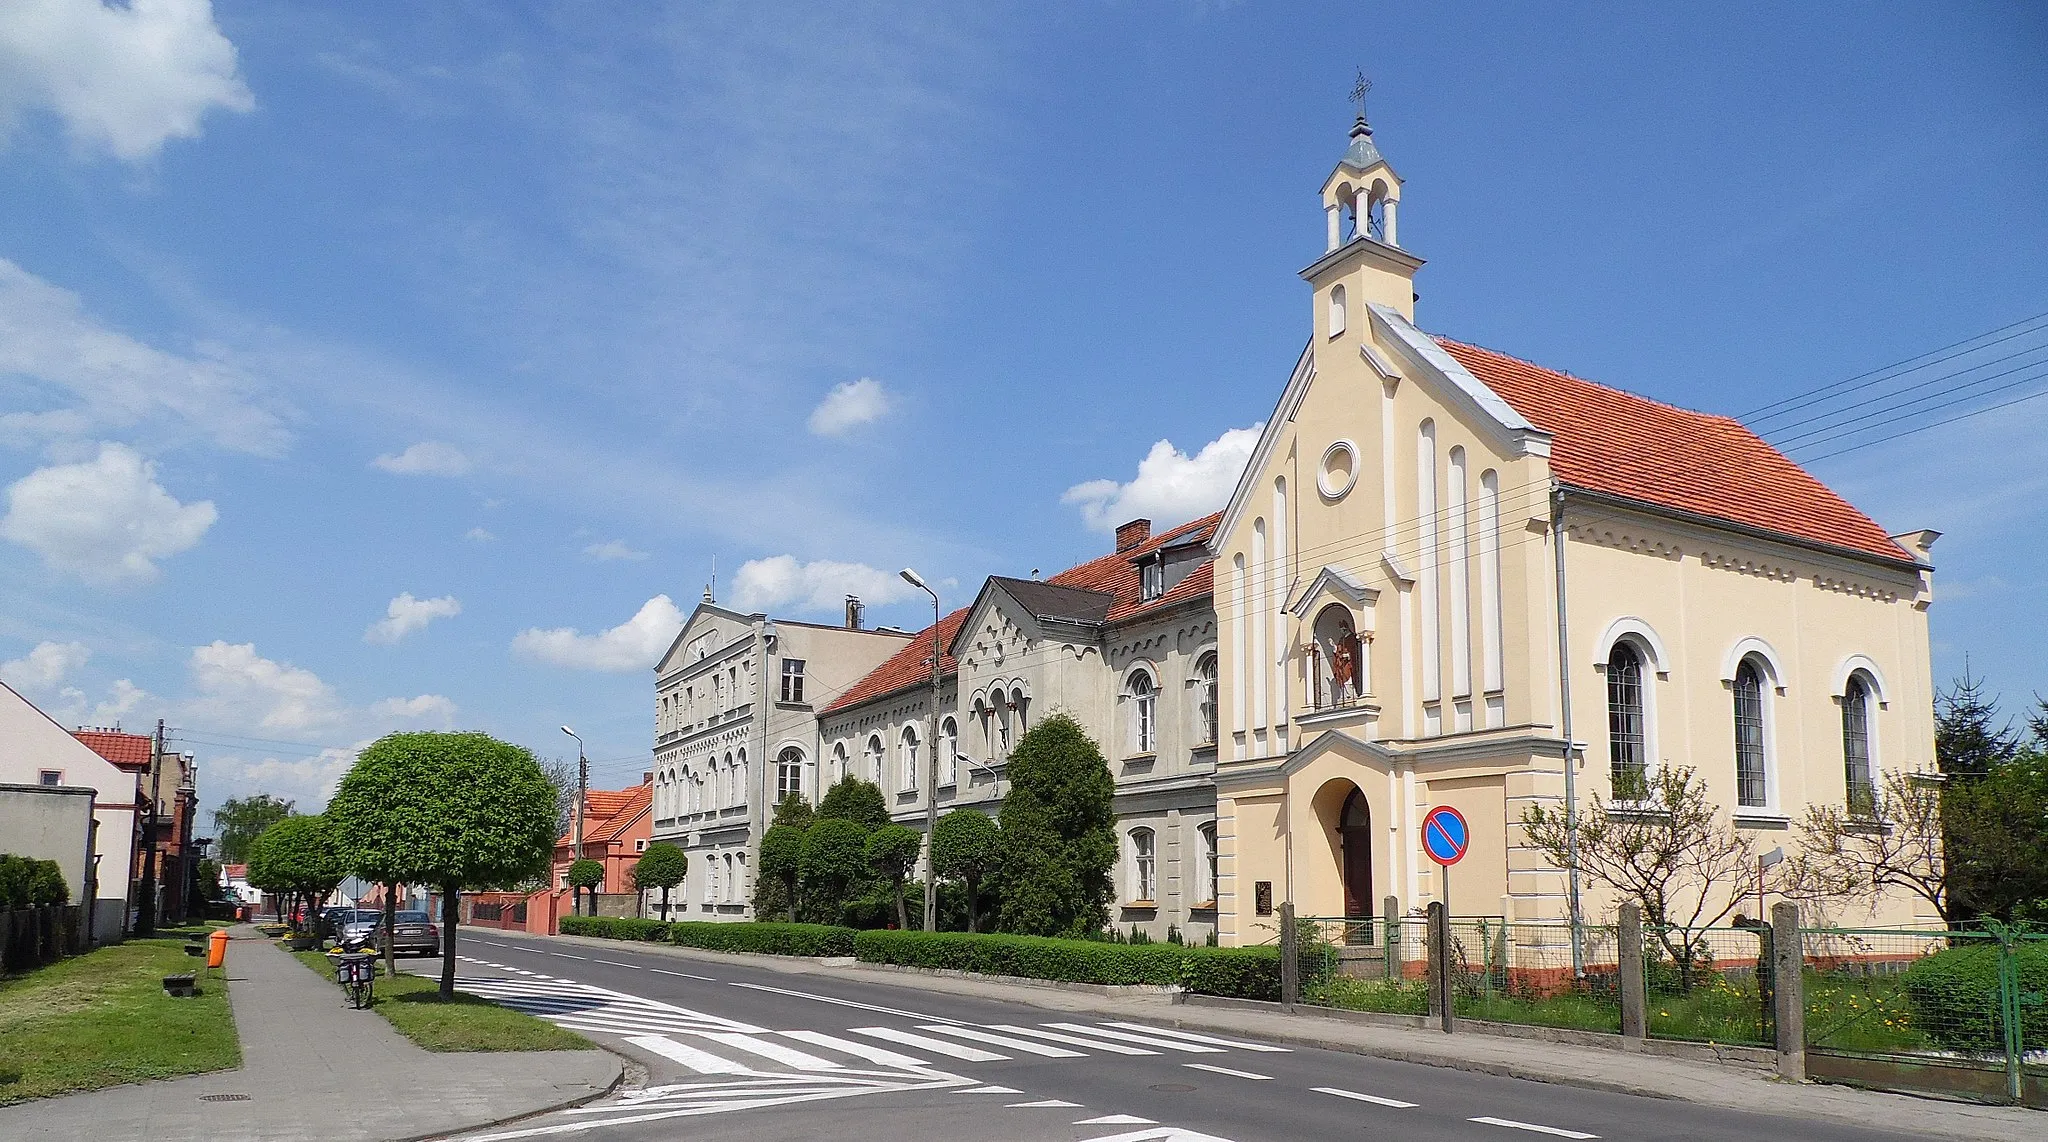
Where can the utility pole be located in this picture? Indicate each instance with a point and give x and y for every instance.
(145, 906)
(931, 788)
(582, 798)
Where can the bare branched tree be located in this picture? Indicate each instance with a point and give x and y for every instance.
(1669, 850)
(1897, 844)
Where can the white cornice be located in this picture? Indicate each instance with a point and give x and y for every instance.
(1457, 387)
(1283, 412)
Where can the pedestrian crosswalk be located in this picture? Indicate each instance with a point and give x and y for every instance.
(585, 1008)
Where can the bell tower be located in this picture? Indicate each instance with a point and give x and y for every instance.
(1362, 260)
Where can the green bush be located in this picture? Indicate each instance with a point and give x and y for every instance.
(1954, 997)
(1028, 957)
(26, 882)
(764, 938)
(613, 927)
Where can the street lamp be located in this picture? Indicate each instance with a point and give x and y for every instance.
(931, 786)
(582, 793)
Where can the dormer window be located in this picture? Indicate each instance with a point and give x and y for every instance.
(1154, 578)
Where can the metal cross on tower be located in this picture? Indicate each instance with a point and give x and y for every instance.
(1359, 90)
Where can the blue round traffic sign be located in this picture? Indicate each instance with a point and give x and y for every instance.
(1445, 836)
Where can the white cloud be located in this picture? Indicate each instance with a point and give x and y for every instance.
(632, 645)
(307, 780)
(407, 614)
(611, 550)
(478, 535)
(123, 78)
(427, 458)
(850, 405)
(105, 520)
(114, 381)
(44, 667)
(779, 582)
(1171, 487)
(424, 706)
(238, 687)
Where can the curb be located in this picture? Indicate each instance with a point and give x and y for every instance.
(565, 1104)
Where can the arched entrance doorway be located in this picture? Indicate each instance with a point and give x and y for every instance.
(1354, 844)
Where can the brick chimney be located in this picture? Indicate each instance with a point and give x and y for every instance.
(1132, 534)
(854, 610)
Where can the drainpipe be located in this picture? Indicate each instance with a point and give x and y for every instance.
(1571, 785)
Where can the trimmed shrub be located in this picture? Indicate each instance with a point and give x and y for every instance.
(613, 927)
(1954, 996)
(764, 938)
(1027, 957)
(1240, 973)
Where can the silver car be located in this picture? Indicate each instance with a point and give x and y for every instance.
(414, 932)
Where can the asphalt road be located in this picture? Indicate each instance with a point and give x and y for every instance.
(738, 1051)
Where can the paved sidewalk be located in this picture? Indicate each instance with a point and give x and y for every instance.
(314, 1069)
(1738, 1087)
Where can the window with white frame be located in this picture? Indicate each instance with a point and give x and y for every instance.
(1144, 883)
(711, 881)
(1206, 891)
(871, 760)
(1143, 702)
(949, 750)
(1002, 705)
(839, 761)
(1752, 780)
(1205, 698)
(789, 774)
(907, 750)
(1627, 738)
(792, 679)
(742, 780)
(1017, 704)
(50, 777)
(1153, 580)
(1862, 792)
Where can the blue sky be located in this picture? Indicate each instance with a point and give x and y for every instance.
(364, 367)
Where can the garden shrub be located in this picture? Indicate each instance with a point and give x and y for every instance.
(1954, 998)
(613, 927)
(764, 938)
(26, 882)
(1027, 957)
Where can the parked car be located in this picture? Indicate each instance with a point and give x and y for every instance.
(358, 926)
(414, 932)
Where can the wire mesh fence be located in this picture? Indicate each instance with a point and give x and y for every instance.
(1520, 972)
(1375, 964)
(1708, 985)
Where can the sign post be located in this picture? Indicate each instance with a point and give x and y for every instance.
(1445, 838)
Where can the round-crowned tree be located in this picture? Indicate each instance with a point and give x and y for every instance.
(1058, 834)
(851, 799)
(452, 810)
(300, 857)
(585, 876)
(834, 861)
(782, 861)
(892, 853)
(662, 866)
(964, 848)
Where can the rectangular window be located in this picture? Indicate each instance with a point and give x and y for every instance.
(1142, 886)
(792, 679)
(1155, 579)
(51, 777)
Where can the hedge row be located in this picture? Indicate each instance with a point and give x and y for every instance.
(26, 882)
(613, 927)
(765, 938)
(1955, 998)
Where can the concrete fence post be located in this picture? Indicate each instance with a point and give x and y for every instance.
(1634, 986)
(1290, 956)
(1788, 963)
(1390, 944)
(1441, 988)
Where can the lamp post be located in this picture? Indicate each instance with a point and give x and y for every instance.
(582, 796)
(931, 787)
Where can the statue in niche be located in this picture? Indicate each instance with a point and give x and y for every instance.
(1343, 664)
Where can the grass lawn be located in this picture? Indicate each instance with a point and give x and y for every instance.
(103, 1019)
(413, 1005)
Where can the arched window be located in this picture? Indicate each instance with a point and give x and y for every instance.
(726, 782)
(907, 748)
(1752, 783)
(1017, 702)
(1337, 307)
(1139, 692)
(984, 719)
(838, 761)
(1856, 747)
(742, 781)
(1205, 699)
(789, 774)
(1144, 884)
(1627, 741)
(711, 881)
(949, 750)
(1205, 892)
(1001, 702)
(871, 760)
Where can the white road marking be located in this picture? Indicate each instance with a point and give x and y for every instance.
(1226, 1071)
(614, 963)
(868, 1051)
(787, 1056)
(925, 1042)
(1042, 1102)
(1143, 1040)
(1117, 1120)
(992, 1090)
(1009, 1041)
(1097, 1044)
(842, 1002)
(1372, 1098)
(703, 1062)
(1210, 1039)
(684, 974)
(1551, 1130)
(567, 956)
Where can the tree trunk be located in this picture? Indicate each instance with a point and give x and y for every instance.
(902, 919)
(792, 899)
(664, 903)
(972, 885)
(390, 931)
(451, 910)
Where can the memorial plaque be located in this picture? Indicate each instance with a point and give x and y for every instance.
(1262, 897)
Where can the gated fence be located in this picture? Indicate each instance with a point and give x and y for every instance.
(1960, 1012)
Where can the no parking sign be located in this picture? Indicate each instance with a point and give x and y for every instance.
(1445, 838)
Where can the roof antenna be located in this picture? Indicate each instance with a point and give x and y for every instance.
(711, 588)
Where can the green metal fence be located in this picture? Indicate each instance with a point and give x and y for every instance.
(1708, 985)
(1957, 1012)
(1518, 972)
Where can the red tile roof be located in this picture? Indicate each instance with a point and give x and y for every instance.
(1114, 573)
(1614, 442)
(608, 812)
(129, 751)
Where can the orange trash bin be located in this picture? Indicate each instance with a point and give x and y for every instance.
(217, 948)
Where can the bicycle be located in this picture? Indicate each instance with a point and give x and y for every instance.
(356, 971)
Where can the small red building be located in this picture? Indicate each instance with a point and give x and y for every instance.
(617, 824)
